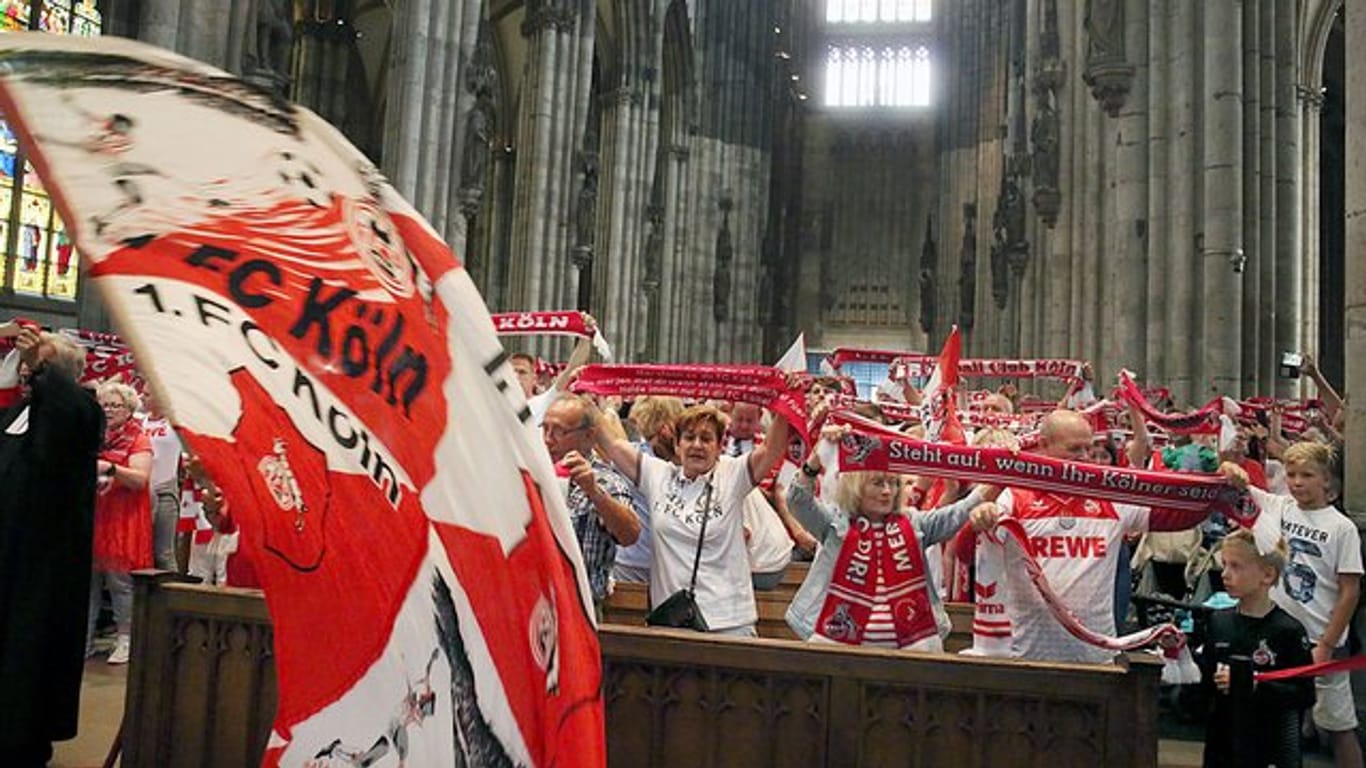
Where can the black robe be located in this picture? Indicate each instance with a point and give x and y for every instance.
(47, 508)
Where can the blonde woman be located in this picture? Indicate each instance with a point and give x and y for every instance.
(123, 511)
(869, 584)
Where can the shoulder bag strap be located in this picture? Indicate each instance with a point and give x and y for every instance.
(706, 513)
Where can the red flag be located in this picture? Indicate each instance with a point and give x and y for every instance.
(940, 396)
(337, 373)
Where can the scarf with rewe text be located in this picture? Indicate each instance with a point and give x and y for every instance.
(852, 594)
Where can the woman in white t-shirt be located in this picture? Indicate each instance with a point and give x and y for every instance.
(676, 496)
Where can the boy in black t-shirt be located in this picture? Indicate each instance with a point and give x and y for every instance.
(1273, 639)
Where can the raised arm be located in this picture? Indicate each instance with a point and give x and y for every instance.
(583, 352)
(764, 458)
(1140, 449)
(618, 450)
(813, 514)
(1332, 402)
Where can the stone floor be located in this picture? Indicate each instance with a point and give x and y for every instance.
(102, 708)
(101, 711)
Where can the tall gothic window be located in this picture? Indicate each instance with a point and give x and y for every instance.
(878, 54)
(36, 255)
(878, 10)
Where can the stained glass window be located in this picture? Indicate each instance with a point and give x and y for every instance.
(38, 259)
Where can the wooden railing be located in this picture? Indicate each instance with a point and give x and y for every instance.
(201, 692)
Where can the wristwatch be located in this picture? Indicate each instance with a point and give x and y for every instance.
(109, 473)
(810, 471)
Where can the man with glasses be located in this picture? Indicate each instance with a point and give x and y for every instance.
(602, 504)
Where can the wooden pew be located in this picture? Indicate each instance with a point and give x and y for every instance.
(630, 603)
(201, 692)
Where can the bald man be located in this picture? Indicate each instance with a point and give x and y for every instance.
(1076, 541)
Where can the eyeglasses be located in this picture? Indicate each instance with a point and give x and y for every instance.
(558, 433)
(114, 406)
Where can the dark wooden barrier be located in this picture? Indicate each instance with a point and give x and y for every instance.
(201, 692)
(680, 699)
(201, 683)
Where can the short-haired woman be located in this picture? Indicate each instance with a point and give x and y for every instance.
(677, 494)
(123, 512)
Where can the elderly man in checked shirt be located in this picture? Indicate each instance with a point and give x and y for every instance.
(602, 503)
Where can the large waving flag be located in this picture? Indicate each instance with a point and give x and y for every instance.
(335, 369)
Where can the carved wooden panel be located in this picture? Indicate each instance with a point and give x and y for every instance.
(201, 692)
(690, 715)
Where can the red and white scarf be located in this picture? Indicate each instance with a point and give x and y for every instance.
(760, 385)
(1204, 421)
(569, 323)
(853, 592)
(838, 357)
(871, 446)
(920, 366)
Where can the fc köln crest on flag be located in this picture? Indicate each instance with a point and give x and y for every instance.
(337, 373)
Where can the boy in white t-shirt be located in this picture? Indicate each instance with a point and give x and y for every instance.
(1322, 579)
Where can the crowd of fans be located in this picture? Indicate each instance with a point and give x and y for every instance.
(696, 497)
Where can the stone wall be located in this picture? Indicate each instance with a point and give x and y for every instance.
(1162, 165)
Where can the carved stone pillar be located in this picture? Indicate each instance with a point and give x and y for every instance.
(929, 264)
(967, 302)
(1049, 75)
(219, 32)
(654, 278)
(426, 107)
(1108, 72)
(1124, 290)
(585, 218)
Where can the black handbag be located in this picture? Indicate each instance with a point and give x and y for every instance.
(680, 610)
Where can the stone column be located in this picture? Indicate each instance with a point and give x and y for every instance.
(630, 124)
(1310, 104)
(1159, 85)
(1288, 243)
(1222, 249)
(1182, 289)
(428, 99)
(1354, 470)
(1125, 287)
(551, 114)
(1258, 56)
(207, 30)
(1058, 330)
